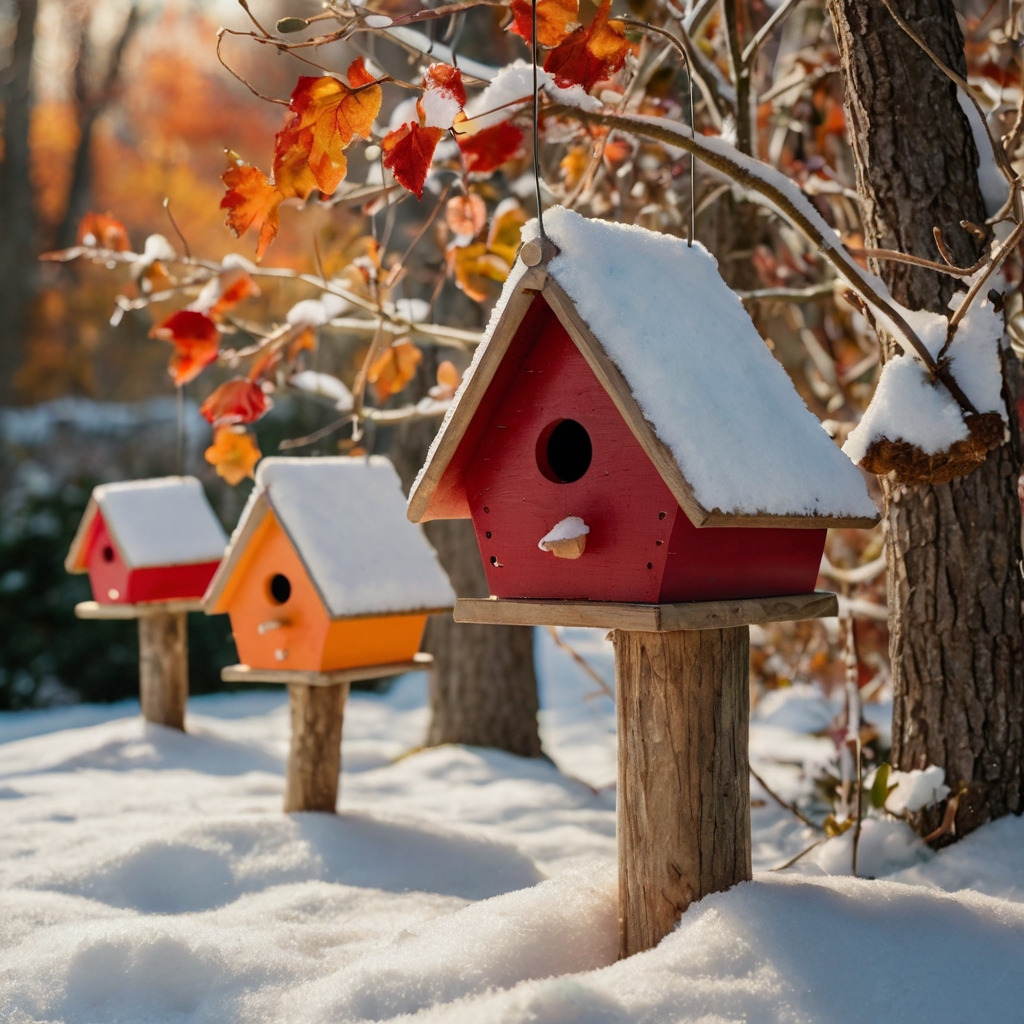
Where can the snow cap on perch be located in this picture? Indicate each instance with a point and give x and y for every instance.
(150, 523)
(683, 363)
(344, 520)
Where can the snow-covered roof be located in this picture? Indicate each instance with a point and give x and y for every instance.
(684, 363)
(346, 520)
(161, 522)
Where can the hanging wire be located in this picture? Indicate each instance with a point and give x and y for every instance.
(181, 429)
(693, 182)
(536, 130)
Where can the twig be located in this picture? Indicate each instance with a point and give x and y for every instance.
(797, 295)
(177, 230)
(245, 7)
(917, 261)
(783, 11)
(792, 808)
(862, 574)
(741, 77)
(221, 32)
(583, 663)
(317, 435)
(803, 853)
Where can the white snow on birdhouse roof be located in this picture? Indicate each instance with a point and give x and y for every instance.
(153, 523)
(707, 385)
(345, 517)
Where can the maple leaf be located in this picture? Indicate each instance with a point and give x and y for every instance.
(102, 231)
(553, 20)
(357, 74)
(326, 115)
(408, 152)
(443, 97)
(252, 201)
(394, 368)
(196, 343)
(473, 265)
(506, 230)
(590, 54)
(234, 454)
(489, 148)
(466, 215)
(448, 378)
(236, 401)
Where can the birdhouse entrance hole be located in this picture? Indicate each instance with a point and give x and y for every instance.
(280, 588)
(564, 451)
(108, 553)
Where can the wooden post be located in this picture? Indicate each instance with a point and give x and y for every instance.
(163, 668)
(314, 759)
(683, 800)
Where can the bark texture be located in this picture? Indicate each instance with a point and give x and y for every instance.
(314, 757)
(683, 798)
(955, 589)
(163, 668)
(483, 690)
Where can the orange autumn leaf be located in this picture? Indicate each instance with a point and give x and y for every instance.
(408, 152)
(236, 401)
(305, 342)
(473, 265)
(506, 230)
(394, 368)
(102, 231)
(357, 74)
(466, 215)
(448, 378)
(574, 165)
(553, 20)
(326, 115)
(235, 285)
(490, 147)
(590, 54)
(252, 201)
(196, 343)
(234, 454)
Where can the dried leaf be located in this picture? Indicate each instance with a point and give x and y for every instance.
(236, 285)
(236, 401)
(326, 114)
(394, 368)
(590, 54)
(448, 378)
(489, 148)
(234, 454)
(473, 266)
(102, 231)
(443, 97)
(574, 165)
(195, 339)
(506, 230)
(408, 152)
(252, 201)
(554, 18)
(155, 278)
(466, 215)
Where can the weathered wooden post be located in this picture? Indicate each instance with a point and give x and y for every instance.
(633, 458)
(150, 548)
(326, 583)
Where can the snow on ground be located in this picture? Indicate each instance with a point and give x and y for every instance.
(150, 876)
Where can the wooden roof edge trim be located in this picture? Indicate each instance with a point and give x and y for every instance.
(469, 402)
(74, 561)
(791, 522)
(236, 546)
(615, 384)
(393, 615)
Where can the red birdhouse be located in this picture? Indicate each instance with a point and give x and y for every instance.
(624, 434)
(148, 540)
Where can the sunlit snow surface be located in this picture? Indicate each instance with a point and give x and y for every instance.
(149, 876)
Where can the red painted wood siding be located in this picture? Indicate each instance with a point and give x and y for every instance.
(113, 583)
(641, 547)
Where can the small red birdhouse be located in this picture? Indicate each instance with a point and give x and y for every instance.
(625, 435)
(146, 541)
(324, 572)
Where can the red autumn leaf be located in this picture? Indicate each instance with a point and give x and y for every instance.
(236, 401)
(443, 97)
(234, 454)
(466, 215)
(590, 54)
(235, 286)
(252, 201)
(408, 152)
(357, 74)
(102, 231)
(195, 339)
(553, 20)
(490, 147)
(326, 115)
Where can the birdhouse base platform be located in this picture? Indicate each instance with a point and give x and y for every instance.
(682, 704)
(163, 653)
(316, 701)
(647, 618)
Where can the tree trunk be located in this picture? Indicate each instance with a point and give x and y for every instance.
(163, 668)
(17, 221)
(483, 688)
(955, 589)
(683, 805)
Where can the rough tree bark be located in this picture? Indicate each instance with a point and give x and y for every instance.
(17, 220)
(483, 688)
(955, 588)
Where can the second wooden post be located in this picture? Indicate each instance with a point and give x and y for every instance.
(163, 668)
(683, 800)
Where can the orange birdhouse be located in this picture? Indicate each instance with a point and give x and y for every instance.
(324, 572)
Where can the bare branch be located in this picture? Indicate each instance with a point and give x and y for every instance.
(917, 261)
(783, 11)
